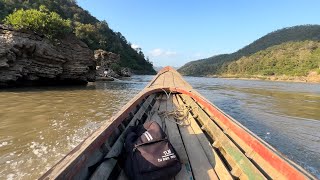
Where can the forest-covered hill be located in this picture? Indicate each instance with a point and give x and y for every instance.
(291, 58)
(96, 34)
(287, 48)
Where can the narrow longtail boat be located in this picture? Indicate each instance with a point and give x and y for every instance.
(210, 144)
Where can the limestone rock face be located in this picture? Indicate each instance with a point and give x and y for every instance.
(105, 59)
(108, 65)
(28, 58)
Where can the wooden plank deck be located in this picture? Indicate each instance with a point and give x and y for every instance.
(176, 140)
(200, 164)
(241, 166)
(169, 78)
(214, 159)
(211, 146)
(195, 162)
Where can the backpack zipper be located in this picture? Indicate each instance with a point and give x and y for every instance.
(151, 142)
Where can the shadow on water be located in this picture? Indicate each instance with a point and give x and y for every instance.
(284, 114)
(89, 86)
(136, 82)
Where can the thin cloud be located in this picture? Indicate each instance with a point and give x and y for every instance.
(135, 46)
(162, 53)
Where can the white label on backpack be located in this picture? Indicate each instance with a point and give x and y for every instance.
(148, 136)
(167, 156)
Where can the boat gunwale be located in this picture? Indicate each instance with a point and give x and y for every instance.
(95, 140)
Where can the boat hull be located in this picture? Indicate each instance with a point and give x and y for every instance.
(232, 150)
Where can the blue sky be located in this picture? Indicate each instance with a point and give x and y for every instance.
(173, 32)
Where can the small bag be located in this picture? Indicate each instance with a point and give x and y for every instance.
(149, 154)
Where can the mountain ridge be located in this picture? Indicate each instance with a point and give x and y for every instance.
(217, 64)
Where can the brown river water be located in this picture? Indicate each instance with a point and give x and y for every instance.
(39, 125)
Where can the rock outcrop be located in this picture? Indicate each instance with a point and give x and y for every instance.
(108, 65)
(28, 58)
(105, 59)
(125, 72)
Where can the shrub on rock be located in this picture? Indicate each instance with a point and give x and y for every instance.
(50, 24)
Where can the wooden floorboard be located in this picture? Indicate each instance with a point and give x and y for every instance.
(199, 162)
(176, 140)
(214, 159)
(242, 167)
(172, 129)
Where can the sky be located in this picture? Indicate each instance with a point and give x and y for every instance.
(174, 32)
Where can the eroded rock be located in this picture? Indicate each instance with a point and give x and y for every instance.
(108, 65)
(28, 58)
(125, 72)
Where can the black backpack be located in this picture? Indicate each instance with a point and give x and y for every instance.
(149, 154)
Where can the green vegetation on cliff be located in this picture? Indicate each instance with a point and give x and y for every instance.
(48, 23)
(291, 58)
(220, 64)
(93, 32)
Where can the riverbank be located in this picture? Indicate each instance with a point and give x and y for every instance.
(313, 77)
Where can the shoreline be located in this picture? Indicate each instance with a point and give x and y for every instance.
(311, 78)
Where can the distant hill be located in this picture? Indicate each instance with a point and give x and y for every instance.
(216, 65)
(96, 34)
(290, 58)
(158, 68)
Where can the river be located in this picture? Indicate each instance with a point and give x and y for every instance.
(39, 125)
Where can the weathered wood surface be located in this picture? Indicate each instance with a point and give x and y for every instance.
(172, 129)
(175, 138)
(242, 166)
(248, 151)
(200, 164)
(169, 78)
(75, 164)
(106, 167)
(214, 159)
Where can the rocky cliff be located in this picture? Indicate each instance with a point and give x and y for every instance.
(108, 65)
(27, 59)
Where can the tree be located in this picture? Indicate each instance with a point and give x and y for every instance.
(95, 33)
(43, 22)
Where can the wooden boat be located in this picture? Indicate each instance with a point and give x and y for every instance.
(211, 144)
